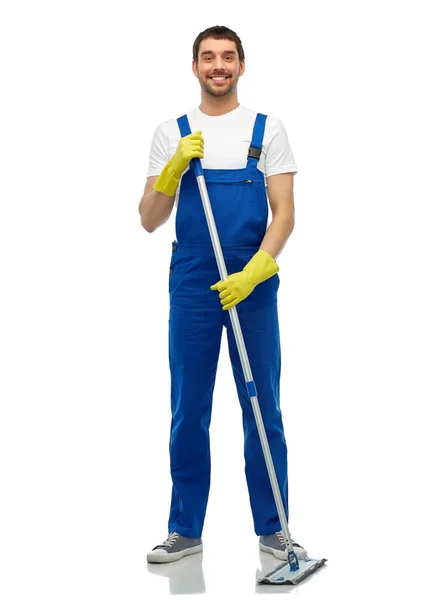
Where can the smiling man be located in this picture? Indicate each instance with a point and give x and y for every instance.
(248, 166)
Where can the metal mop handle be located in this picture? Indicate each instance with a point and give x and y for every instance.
(196, 165)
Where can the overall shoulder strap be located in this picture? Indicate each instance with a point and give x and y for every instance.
(183, 124)
(257, 138)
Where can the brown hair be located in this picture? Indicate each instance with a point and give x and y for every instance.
(218, 32)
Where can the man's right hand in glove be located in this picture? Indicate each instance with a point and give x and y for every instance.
(189, 146)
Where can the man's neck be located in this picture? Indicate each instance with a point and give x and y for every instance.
(216, 109)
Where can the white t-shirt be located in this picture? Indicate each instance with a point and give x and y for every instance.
(226, 143)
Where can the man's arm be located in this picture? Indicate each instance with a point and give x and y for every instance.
(155, 207)
(282, 204)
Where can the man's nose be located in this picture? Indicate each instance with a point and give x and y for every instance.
(219, 63)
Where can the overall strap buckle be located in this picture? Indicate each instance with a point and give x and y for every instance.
(254, 152)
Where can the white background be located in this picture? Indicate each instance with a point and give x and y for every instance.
(85, 416)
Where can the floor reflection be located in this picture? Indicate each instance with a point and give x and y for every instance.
(268, 563)
(185, 576)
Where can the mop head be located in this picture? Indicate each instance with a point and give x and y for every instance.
(283, 575)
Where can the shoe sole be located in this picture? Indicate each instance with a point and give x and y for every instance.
(173, 556)
(302, 554)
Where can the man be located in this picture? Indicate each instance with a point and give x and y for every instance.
(236, 179)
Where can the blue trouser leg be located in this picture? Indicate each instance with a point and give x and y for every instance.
(194, 345)
(258, 318)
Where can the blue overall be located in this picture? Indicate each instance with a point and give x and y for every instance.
(239, 204)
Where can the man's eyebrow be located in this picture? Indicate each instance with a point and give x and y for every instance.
(225, 52)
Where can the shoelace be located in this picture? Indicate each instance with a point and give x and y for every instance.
(281, 538)
(171, 539)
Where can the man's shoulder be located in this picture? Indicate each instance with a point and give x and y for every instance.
(167, 128)
(252, 114)
(273, 122)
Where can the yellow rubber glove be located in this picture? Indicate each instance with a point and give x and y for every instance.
(189, 146)
(239, 285)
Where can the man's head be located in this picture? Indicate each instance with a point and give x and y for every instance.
(218, 51)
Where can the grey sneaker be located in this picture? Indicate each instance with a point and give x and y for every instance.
(275, 544)
(173, 548)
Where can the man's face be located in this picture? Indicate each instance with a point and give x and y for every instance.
(218, 57)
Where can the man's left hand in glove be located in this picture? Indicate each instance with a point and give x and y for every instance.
(239, 285)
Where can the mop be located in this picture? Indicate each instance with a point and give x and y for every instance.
(294, 570)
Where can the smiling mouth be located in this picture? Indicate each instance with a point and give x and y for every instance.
(219, 79)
